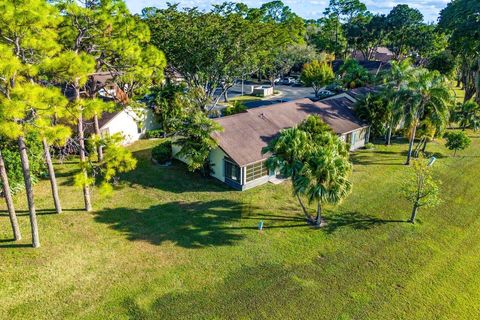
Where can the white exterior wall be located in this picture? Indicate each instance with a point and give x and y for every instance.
(357, 141)
(124, 123)
(216, 159)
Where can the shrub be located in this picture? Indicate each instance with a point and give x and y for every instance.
(154, 134)
(369, 146)
(13, 165)
(237, 107)
(163, 152)
(457, 140)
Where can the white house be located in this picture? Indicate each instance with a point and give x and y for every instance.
(131, 125)
(238, 161)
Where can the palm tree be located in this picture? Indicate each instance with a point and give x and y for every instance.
(317, 162)
(426, 97)
(381, 111)
(324, 178)
(289, 151)
(401, 72)
(468, 115)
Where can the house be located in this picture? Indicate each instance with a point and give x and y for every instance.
(355, 94)
(382, 54)
(238, 161)
(124, 121)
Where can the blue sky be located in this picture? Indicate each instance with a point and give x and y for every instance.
(307, 8)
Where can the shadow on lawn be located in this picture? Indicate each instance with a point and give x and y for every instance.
(187, 224)
(354, 220)
(39, 212)
(174, 178)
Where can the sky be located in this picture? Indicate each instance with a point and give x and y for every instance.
(309, 9)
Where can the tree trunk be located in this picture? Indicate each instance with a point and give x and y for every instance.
(389, 135)
(307, 216)
(28, 189)
(414, 213)
(97, 132)
(9, 201)
(455, 153)
(424, 148)
(410, 145)
(86, 188)
(51, 174)
(318, 219)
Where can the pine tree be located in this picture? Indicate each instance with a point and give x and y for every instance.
(31, 35)
(51, 105)
(9, 65)
(15, 122)
(74, 69)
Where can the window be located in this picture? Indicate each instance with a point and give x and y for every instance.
(232, 171)
(349, 138)
(256, 170)
(105, 132)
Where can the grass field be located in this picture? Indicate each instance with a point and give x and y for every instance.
(170, 245)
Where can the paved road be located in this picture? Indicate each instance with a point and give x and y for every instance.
(287, 93)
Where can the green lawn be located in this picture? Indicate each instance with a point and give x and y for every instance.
(170, 245)
(459, 93)
(245, 99)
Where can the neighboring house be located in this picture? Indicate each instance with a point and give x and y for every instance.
(125, 121)
(382, 54)
(355, 94)
(238, 161)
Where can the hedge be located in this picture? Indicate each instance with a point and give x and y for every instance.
(153, 134)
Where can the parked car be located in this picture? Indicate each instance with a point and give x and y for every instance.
(289, 81)
(322, 94)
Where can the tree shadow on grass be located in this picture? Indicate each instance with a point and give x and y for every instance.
(11, 244)
(174, 178)
(186, 224)
(354, 220)
(39, 212)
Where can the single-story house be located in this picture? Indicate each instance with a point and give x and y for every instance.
(381, 54)
(355, 94)
(238, 161)
(124, 121)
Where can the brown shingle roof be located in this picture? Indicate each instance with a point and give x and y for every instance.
(245, 134)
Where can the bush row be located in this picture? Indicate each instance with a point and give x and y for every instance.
(154, 134)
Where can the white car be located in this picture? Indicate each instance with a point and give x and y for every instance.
(289, 80)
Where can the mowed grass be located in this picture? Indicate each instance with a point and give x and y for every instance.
(171, 245)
